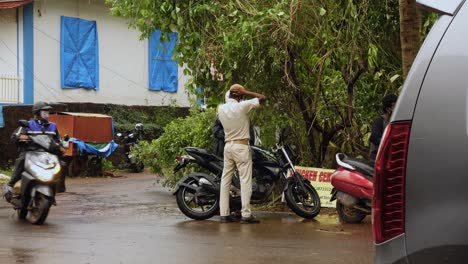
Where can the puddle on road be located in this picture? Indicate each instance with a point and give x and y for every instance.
(21, 255)
(342, 232)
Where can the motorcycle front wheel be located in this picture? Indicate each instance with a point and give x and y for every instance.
(38, 213)
(304, 205)
(195, 205)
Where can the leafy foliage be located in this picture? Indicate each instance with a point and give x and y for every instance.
(325, 65)
(107, 165)
(153, 119)
(160, 154)
(6, 173)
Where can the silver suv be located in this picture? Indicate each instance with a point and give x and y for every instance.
(420, 210)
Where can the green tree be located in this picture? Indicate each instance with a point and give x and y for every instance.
(323, 64)
(160, 154)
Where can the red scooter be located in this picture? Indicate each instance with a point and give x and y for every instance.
(353, 188)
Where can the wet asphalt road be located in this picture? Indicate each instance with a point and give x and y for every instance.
(134, 220)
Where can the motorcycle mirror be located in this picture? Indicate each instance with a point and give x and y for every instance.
(23, 123)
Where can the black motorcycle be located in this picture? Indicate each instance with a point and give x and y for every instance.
(197, 193)
(130, 141)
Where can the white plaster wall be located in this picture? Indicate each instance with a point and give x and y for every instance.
(8, 43)
(123, 58)
(11, 45)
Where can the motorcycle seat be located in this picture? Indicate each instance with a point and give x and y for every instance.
(363, 166)
(203, 152)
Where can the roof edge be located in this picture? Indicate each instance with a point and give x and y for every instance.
(14, 4)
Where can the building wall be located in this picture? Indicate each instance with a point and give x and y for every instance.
(11, 47)
(123, 58)
(8, 43)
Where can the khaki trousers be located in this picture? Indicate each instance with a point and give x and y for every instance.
(236, 156)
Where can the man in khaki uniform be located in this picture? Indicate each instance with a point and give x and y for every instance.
(234, 116)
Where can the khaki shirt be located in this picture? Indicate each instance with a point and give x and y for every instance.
(234, 117)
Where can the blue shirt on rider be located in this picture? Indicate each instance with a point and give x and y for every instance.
(37, 126)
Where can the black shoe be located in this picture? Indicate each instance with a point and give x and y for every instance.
(7, 192)
(226, 219)
(61, 188)
(250, 220)
(237, 216)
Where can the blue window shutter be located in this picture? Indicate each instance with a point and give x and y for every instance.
(163, 69)
(79, 53)
(2, 123)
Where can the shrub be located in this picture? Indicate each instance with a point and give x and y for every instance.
(194, 130)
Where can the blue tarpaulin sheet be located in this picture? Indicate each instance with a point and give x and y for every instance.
(163, 75)
(79, 53)
(2, 123)
(105, 152)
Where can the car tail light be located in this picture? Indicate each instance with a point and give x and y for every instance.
(389, 183)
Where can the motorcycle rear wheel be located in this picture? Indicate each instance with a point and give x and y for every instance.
(38, 214)
(306, 207)
(188, 205)
(349, 215)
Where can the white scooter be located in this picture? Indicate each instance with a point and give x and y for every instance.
(34, 194)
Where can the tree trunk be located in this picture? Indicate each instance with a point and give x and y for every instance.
(308, 121)
(326, 137)
(299, 96)
(410, 24)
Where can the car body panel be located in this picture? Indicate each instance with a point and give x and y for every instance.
(437, 159)
(449, 7)
(435, 99)
(392, 251)
(406, 103)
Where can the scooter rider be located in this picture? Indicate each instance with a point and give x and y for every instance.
(39, 124)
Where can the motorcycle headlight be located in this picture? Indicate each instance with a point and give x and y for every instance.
(45, 175)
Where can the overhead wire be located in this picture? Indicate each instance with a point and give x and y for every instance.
(51, 91)
(25, 68)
